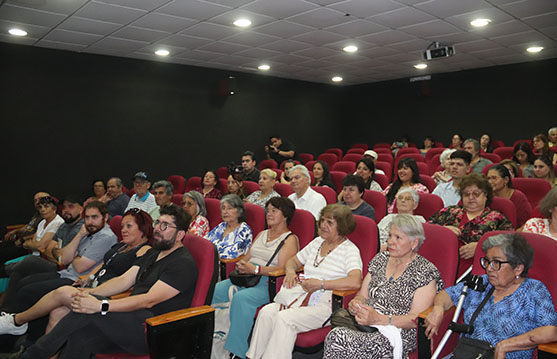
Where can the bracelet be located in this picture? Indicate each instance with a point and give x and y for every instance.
(390, 319)
(322, 285)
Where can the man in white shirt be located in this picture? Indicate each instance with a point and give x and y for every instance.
(304, 197)
(459, 166)
(142, 199)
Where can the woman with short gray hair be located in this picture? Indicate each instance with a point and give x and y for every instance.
(194, 204)
(232, 236)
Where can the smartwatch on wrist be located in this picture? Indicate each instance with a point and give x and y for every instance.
(257, 269)
(104, 307)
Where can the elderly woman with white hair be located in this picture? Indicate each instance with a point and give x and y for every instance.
(267, 180)
(194, 204)
(444, 176)
(407, 201)
(398, 286)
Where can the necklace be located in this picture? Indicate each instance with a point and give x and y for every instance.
(316, 262)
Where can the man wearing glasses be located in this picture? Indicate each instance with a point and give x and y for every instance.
(163, 280)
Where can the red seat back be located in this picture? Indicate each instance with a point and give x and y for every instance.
(504, 152)
(303, 225)
(441, 248)
(115, 224)
(255, 218)
(486, 168)
(384, 157)
(381, 145)
(363, 146)
(428, 182)
(353, 157)
(267, 164)
(347, 167)
(250, 187)
(206, 258)
(423, 168)
(383, 180)
(384, 150)
(337, 178)
(534, 188)
(416, 156)
(327, 192)
(359, 151)
(178, 182)
(304, 157)
(329, 158)
(222, 172)
(309, 165)
(429, 205)
(433, 163)
(505, 206)
(336, 151)
(177, 199)
(378, 201)
(493, 157)
(193, 183)
(385, 167)
(432, 152)
(407, 150)
(283, 189)
(497, 144)
(223, 185)
(529, 141)
(213, 212)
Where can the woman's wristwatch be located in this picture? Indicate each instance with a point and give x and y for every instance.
(322, 285)
(257, 269)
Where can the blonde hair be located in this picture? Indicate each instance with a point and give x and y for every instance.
(269, 172)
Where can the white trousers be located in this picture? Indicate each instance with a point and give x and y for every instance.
(275, 331)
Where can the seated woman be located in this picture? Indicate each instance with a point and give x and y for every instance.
(331, 262)
(210, 185)
(474, 218)
(407, 201)
(408, 176)
(232, 236)
(445, 159)
(541, 147)
(524, 157)
(194, 204)
(485, 143)
(547, 225)
(137, 231)
(285, 176)
(429, 142)
(235, 184)
(512, 166)
(245, 302)
(500, 180)
(365, 168)
(99, 190)
(543, 168)
(266, 191)
(322, 175)
(517, 303)
(399, 285)
(457, 141)
(352, 192)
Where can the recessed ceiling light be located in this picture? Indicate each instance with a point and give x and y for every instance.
(534, 49)
(337, 79)
(17, 32)
(242, 22)
(420, 66)
(162, 52)
(351, 48)
(480, 22)
(264, 67)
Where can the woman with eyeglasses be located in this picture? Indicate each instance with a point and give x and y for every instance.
(517, 305)
(194, 204)
(547, 225)
(137, 231)
(474, 218)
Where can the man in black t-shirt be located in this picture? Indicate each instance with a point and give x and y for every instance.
(280, 151)
(163, 280)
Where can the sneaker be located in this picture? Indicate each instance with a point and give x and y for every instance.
(7, 325)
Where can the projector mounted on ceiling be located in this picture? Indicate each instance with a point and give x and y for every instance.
(436, 50)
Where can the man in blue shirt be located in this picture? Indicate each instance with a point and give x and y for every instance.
(459, 166)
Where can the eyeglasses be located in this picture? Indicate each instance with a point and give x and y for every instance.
(163, 225)
(494, 264)
(474, 194)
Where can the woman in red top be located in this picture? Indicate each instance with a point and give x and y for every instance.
(499, 178)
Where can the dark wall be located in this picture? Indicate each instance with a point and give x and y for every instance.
(68, 117)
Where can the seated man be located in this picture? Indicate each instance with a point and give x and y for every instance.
(459, 166)
(142, 199)
(280, 151)
(478, 163)
(248, 164)
(353, 188)
(304, 197)
(163, 280)
(163, 190)
(115, 198)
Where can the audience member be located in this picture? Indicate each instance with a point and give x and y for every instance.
(365, 168)
(456, 142)
(249, 164)
(279, 150)
(31, 227)
(547, 225)
(115, 198)
(353, 191)
(458, 168)
(541, 147)
(552, 136)
(524, 157)
(512, 166)
(500, 180)
(474, 218)
(167, 283)
(322, 175)
(543, 168)
(304, 197)
(285, 175)
(210, 185)
(408, 176)
(407, 201)
(397, 145)
(232, 236)
(194, 204)
(444, 159)
(374, 156)
(478, 163)
(266, 191)
(163, 191)
(142, 199)
(485, 143)
(99, 190)
(235, 183)
(429, 142)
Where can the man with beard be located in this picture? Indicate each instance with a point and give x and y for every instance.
(163, 280)
(115, 198)
(71, 213)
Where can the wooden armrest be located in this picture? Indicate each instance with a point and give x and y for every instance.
(425, 312)
(232, 260)
(12, 227)
(95, 270)
(548, 348)
(122, 295)
(344, 293)
(282, 272)
(179, 315)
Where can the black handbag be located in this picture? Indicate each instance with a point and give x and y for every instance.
(342, 318)
(251, 280)
(468, 348)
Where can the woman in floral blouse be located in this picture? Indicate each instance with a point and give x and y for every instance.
(548, 225)
(474, 218)
(194, 204)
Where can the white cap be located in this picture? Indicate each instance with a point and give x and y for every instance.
(371, 153)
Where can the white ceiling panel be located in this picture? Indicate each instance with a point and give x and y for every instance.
(209, 31)
(139, 34)
(30, 16)
(60, 45)
(72, 37)
(189, 42)
(319, 37)
(193, 9)
(544, 20)
(229, 17)
(285, 46)
(126, 46)
(199, 55)
(109, 13)
(478, 45)
(64, 7)
(258, 53)
(404, 16)
(89, 26)
(526, 8)
(251, 39)
(280, 9)
(18, 40)
(446, 8)
(357, 28)
(462, 21)
(162, 22)
(147, 5)
(387, 37)
(520, 38)
(283, 29)
(366, 8)
(319, 18)
(33, 31)
(223, 47)
(431, 28)
(316, 52)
